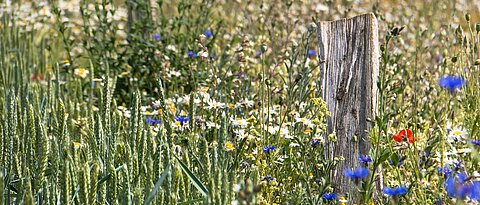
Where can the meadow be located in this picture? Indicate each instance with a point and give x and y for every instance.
(219, 102)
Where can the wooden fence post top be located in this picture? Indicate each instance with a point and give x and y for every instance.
(349, 63)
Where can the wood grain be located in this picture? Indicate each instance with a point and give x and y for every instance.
(349, 51)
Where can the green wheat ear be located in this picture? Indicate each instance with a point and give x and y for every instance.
(65, 182)
(28, 194)
(42, 151)
(112, 186)
(2, 185)
(84, 180)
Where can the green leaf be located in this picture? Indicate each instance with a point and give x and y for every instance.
(196, 182)
(107, 176)
(159, 183)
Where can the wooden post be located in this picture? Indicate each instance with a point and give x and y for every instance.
(349, 56)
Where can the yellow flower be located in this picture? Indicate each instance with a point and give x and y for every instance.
(65, 63)
(81, 72)
(124, 73)
(307, 131)
(342, 200)
(204, 89)
(94, 108)
(77, 145)
(229, 146)
(183, 113)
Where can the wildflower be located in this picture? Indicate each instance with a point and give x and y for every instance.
(315, 142)
(404, 135)
(364, 159)
(36, 76)
(456, 135)
(307, 131)
(229, 146)
(330, 196)
(81, 72)
(268, 178)
(312, 53)
(203, 54)
(77, 145)
(155, 104)
(65, 63)
(208, 33)
(239, 122)
(342, 200)
(156, 36)
(95, 108)
(395, 191)
(446, 171)
(268, 148)
(304, 121)
(192, 54)
(475, 142)
(171, 48)
(153, 122)
(460, 187)
(356, 174)
(452, 82)
(212, 104)
(182, 119)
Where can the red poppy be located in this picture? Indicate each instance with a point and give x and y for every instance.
(36, 76)
(404, 135)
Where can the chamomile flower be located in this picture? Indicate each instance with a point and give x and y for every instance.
(213, 105)
(81, 72)
(456, 135)
(239, 122)
(229, 146)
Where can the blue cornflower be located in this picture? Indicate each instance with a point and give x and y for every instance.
(208, 33)
(459, 187)
(268, 148)
(182, 119)
(268, 178)
(475, 191)
(315, 143)
(312, 53)
(330, 196)
(356, 174)
(156, 36)
(364, 159)
(192, 54)
(446, 171)
(153, 122)
(395, 191)
(452, 82)
(475, 142)
(450, 186)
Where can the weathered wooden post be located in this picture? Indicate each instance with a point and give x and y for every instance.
(349, 56)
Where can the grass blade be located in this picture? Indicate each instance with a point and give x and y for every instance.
(159, 183)
(196, 182)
